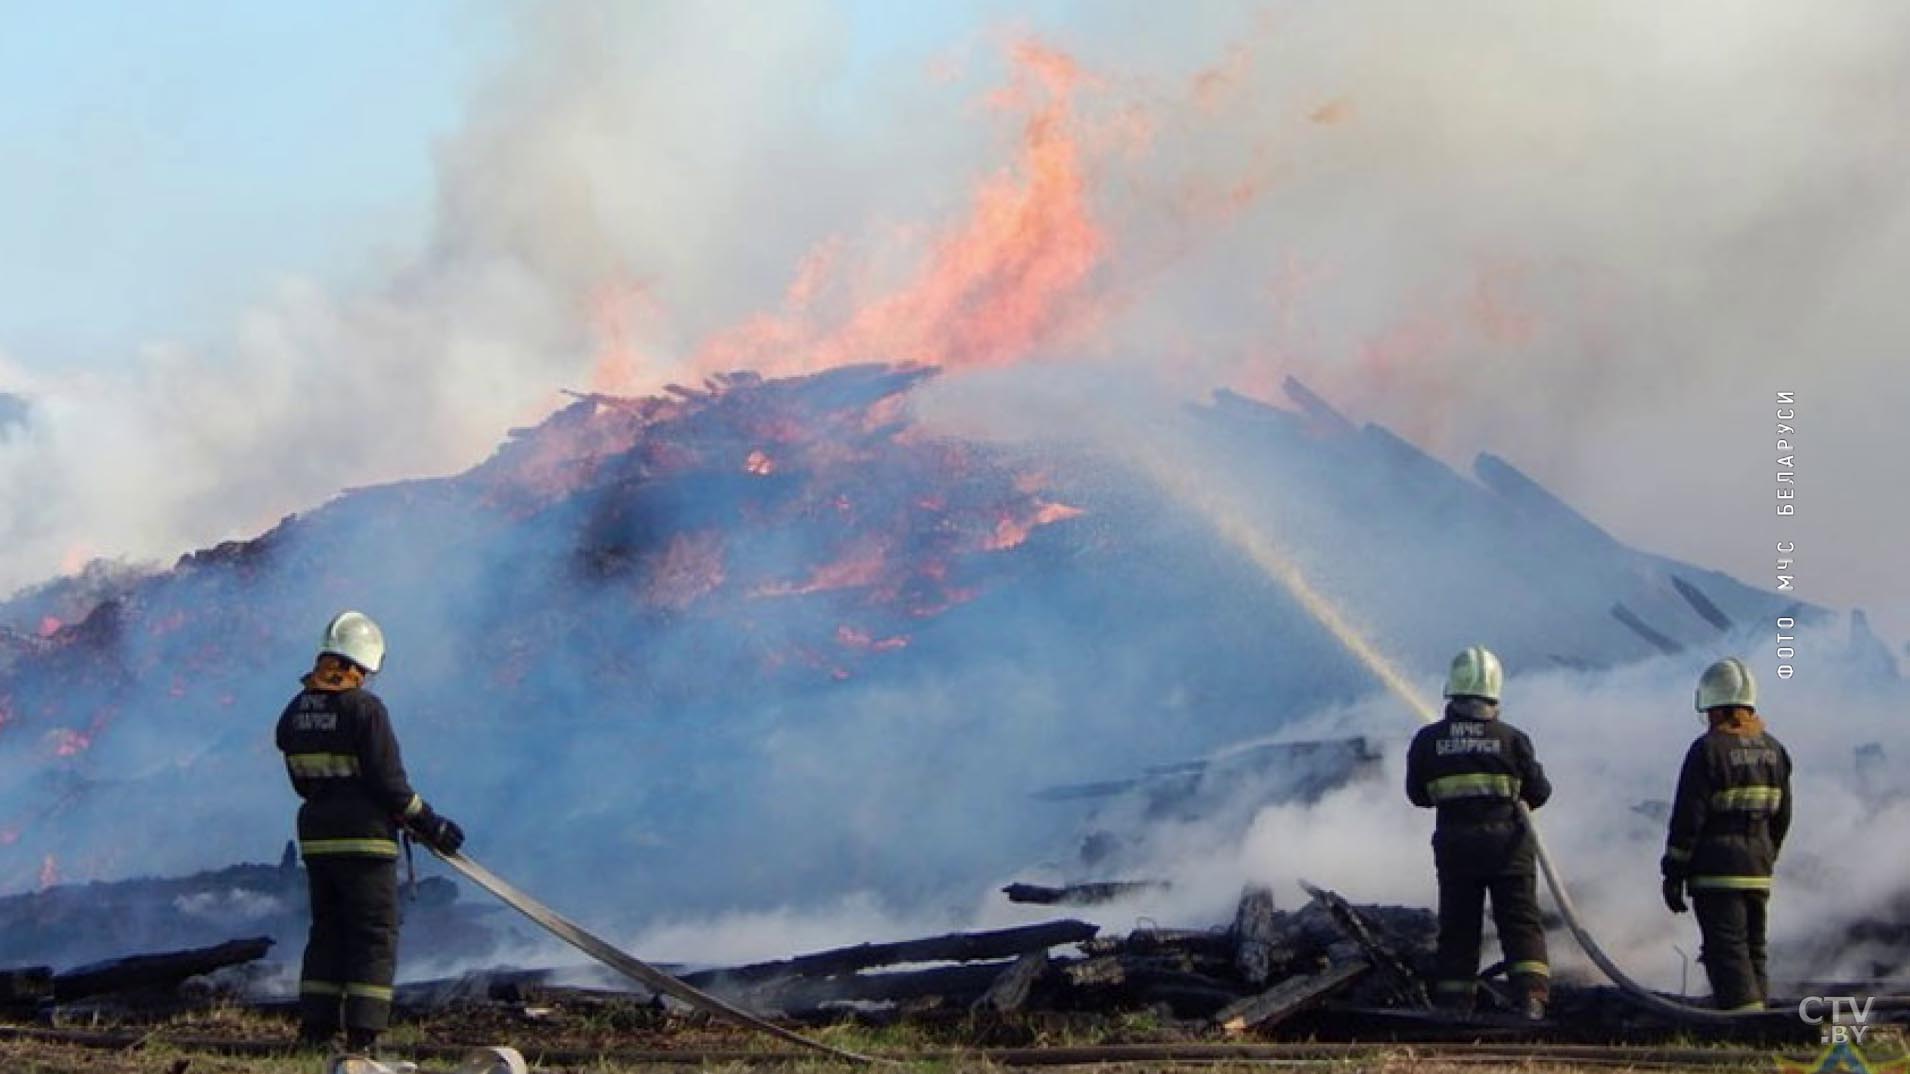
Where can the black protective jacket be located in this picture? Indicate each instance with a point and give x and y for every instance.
(1732, 808)
(344, 761)
(1475, 769)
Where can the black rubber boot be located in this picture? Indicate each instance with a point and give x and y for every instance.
(1531, 991)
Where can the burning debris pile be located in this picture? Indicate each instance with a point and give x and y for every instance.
(1267, 966)
(1331, 970)
(758, 643)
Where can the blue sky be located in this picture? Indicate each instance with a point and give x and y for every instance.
(166, 162)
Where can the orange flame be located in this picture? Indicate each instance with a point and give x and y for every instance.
(861, 639)
(49, 626)
(1008, 280)
(75, 558)
(618, 310)
(68, 742)
(1010, 532)
(861, 566)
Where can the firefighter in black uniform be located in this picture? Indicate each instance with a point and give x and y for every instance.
(1728, 821)
(1475, 769)
(343, 759)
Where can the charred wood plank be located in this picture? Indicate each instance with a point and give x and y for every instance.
(1098, 972)
(1200, 943)
(1410, 987)
(1011, 989)
(162, 970)
(506, 985)
(1080, 894)
(1257, 937)
(1289, 997)
(1148, 980)
(958, 984)
(953, 947)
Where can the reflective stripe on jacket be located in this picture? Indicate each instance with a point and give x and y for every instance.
(1732, 808)
(343, 760)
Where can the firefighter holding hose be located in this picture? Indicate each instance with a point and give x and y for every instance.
(1728, 821)
(1475, 769)
(343, 760)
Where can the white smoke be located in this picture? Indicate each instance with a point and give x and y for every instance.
(1598, 241)
(1612, 744)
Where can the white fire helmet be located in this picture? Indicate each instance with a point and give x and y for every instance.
(355, 637)
(1725, 684)
(1475, 673)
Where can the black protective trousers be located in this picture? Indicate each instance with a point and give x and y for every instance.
(352, 952)
(1732, 923)
(1463, 889)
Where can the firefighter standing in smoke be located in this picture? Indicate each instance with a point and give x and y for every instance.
(1475, 769)
(343, 760)
(1728, 821)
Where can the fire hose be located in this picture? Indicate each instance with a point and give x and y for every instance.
(629, 965)
(1589, 944)
(1555, 882)
(1276, 565)
(1234, 526)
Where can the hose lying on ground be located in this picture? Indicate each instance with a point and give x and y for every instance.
(629, 965)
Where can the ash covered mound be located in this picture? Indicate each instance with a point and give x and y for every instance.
(766, 641)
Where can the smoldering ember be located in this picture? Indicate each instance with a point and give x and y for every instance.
(781, 647)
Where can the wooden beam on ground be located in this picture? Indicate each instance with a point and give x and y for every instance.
(1010, 990)
(1289, 997)
(957, 984)
(1080, 894)
(954, 947)
(162, 970)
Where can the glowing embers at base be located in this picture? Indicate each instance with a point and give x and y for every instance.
(1012, 532)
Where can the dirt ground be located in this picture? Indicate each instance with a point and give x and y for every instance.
(615, 1040)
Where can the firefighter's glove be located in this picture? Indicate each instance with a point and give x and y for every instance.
(440, 833)
(1675, 894)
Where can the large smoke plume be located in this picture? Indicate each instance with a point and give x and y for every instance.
(1596, 241)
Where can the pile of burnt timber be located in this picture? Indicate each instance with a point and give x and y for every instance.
(1330, 970)
(66, 924)
(147, 981)
(1264, 968)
